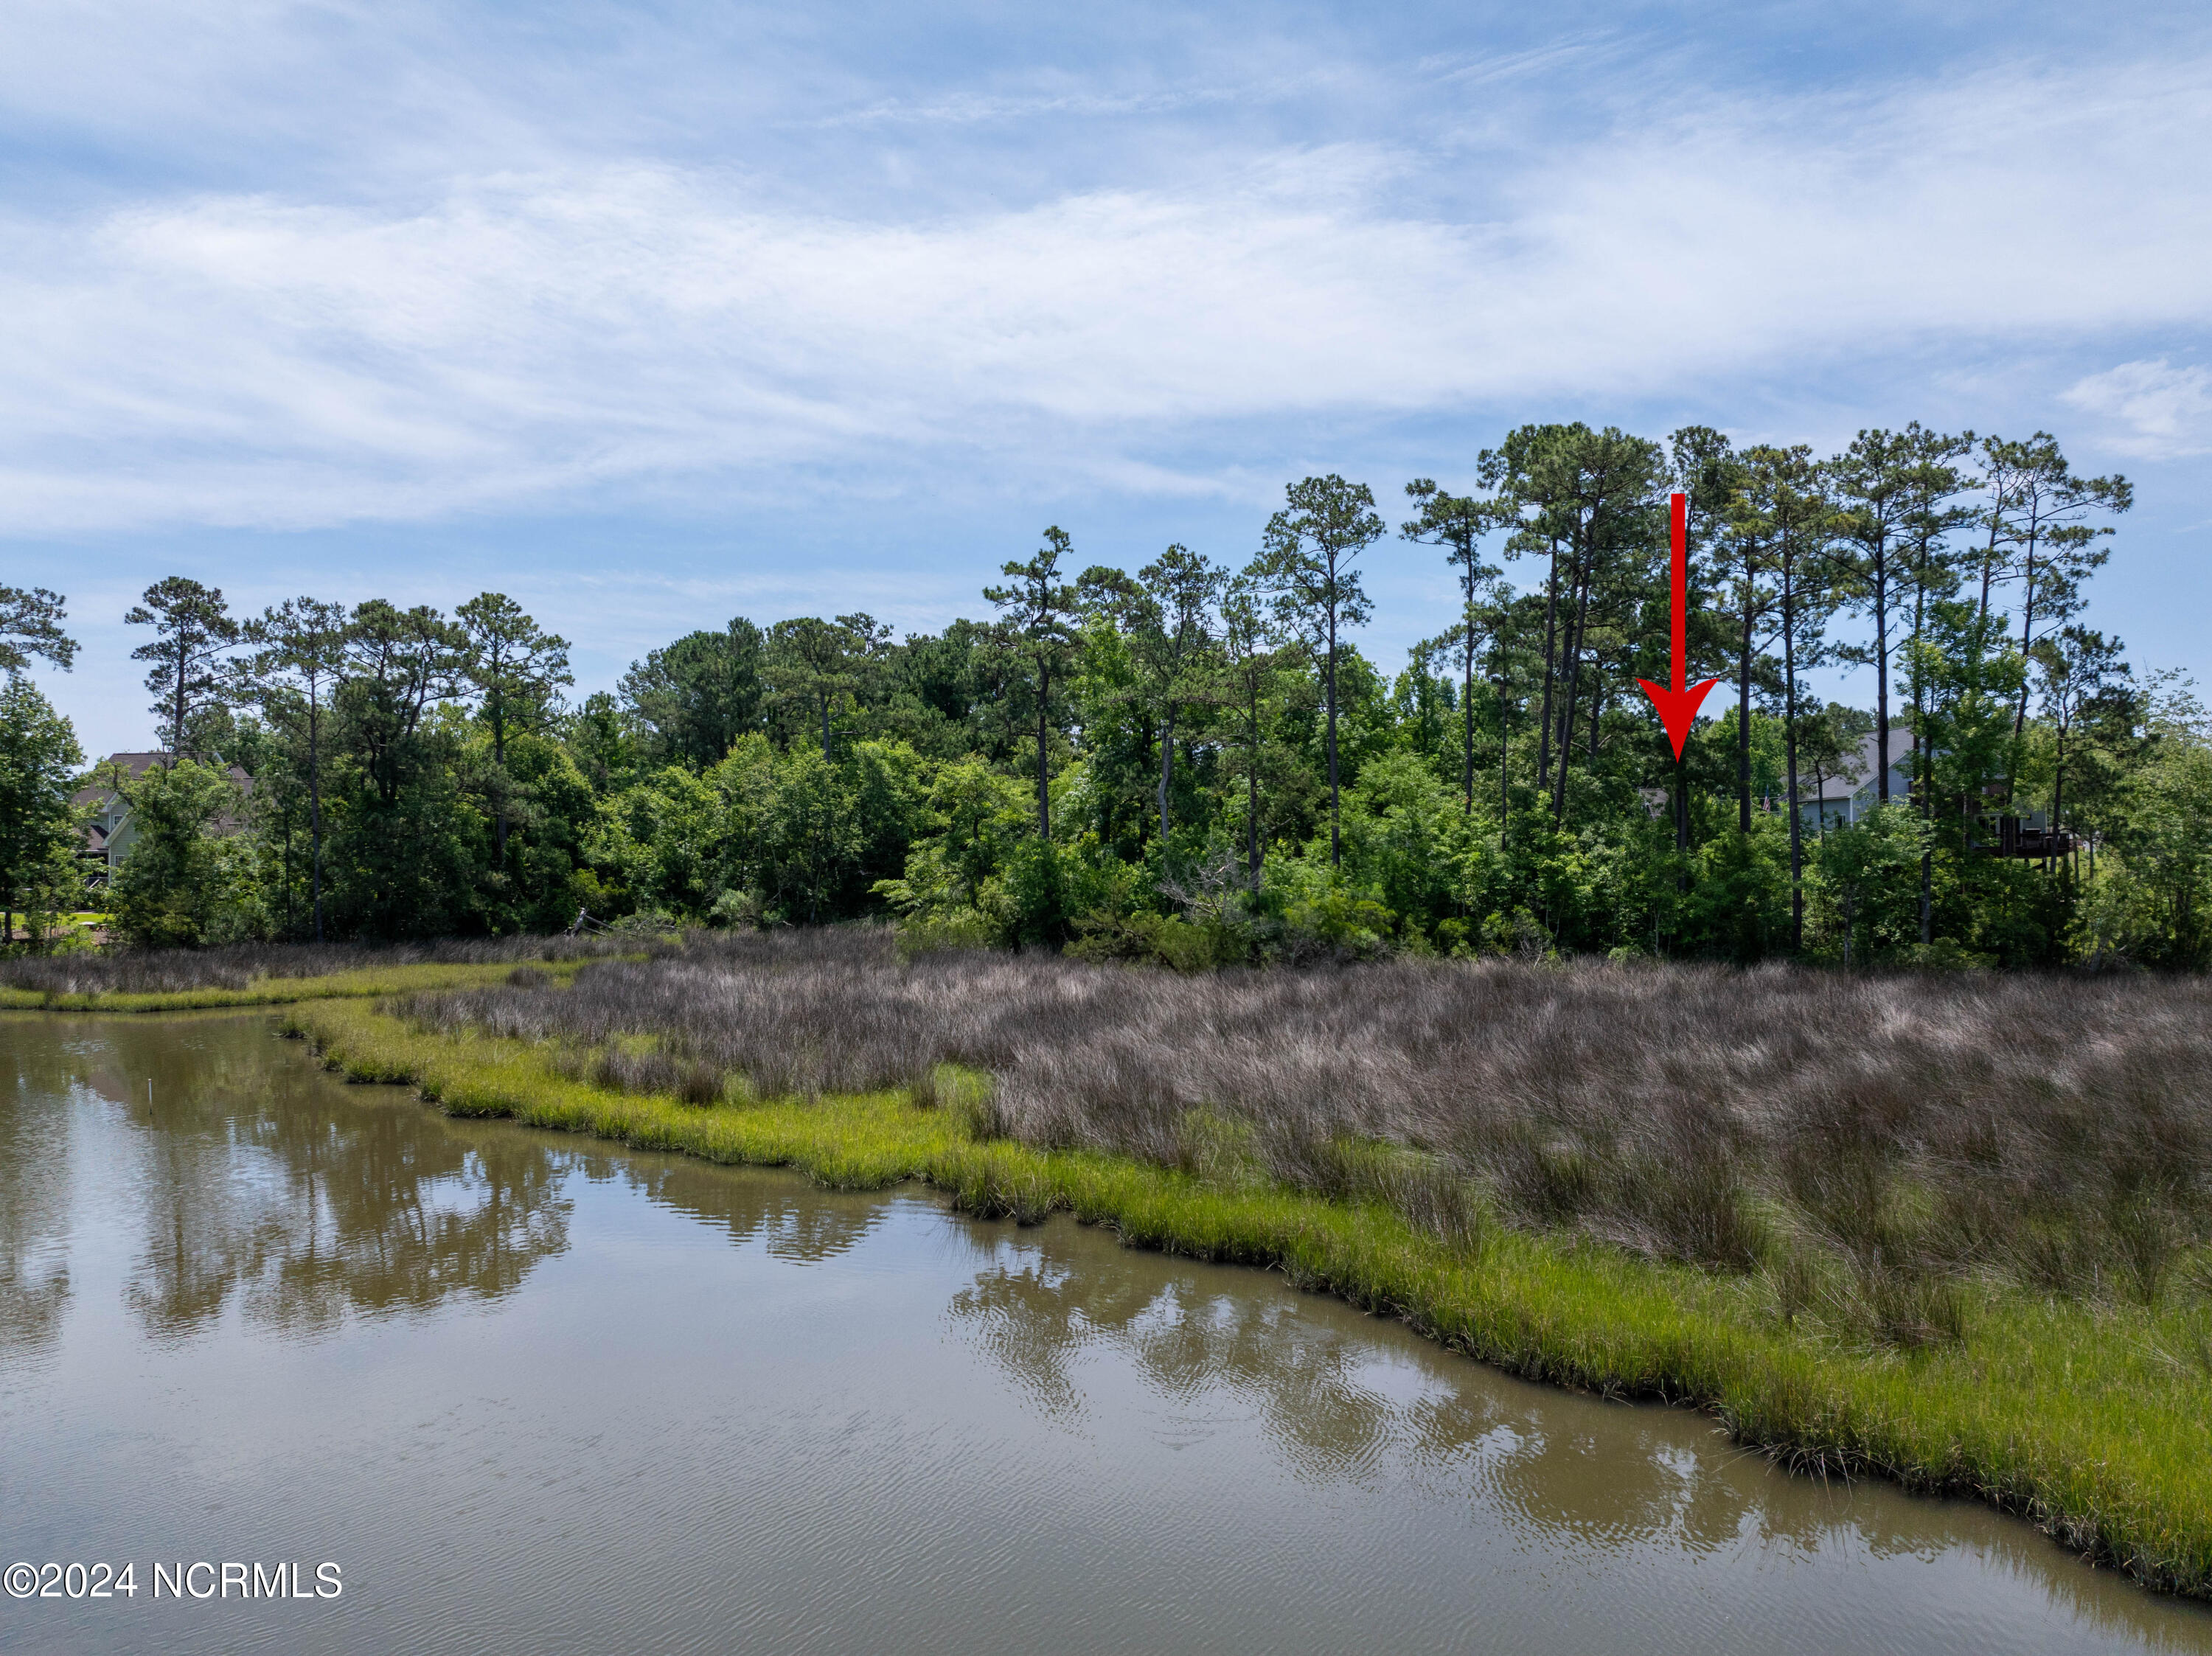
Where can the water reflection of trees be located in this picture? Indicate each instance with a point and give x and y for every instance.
(803, 1224)
(258, 1181)
(34, 1191)
(264, 1181)
(1307, 1376)
(1590, 1476)
(1032, 1313)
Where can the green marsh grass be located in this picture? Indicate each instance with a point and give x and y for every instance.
(2090, 1416)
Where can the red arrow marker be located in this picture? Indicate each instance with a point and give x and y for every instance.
(1678, 707)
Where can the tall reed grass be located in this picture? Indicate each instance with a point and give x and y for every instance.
(1866, 1143)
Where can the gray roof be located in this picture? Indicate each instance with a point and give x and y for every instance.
(1859, 769)
(133, 766)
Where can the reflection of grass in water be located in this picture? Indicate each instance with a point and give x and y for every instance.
(2087, 1416)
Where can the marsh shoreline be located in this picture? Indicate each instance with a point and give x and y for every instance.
(2072, 1417)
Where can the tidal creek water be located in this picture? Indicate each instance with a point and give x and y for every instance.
(526, 1393)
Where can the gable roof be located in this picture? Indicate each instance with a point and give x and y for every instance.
(98, 790)
(1858, 773)
(99, 795)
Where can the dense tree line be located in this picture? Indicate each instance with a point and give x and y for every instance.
(1194, 762)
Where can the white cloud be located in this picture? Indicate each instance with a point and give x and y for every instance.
(2167, 411)
(525, 337)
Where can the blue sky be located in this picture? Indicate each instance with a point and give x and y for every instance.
(652, 314)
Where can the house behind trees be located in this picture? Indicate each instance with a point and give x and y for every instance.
(108, 830)
(1843, 798)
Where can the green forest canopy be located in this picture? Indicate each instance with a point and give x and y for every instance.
(1191, 762)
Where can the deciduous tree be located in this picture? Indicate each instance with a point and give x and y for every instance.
(38, 831)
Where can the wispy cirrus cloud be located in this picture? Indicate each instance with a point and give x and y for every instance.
(973, 109)
(524, 337)
(645, 313)
(2162, 411)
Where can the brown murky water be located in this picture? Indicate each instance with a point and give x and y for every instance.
(531, 1395)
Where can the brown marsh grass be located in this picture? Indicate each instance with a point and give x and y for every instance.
(1868, 1142)
(235, 965)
